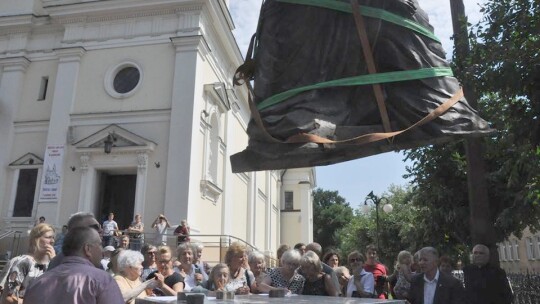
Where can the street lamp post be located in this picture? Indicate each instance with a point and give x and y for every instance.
(376, 201)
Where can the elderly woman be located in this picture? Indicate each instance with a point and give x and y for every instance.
(242, 280)
(317, 282)
(198, 248)
(149, 253)
(129, 277)
(25, 268)
(361, 284)
(285, 276)
(171, 282)
(343, 276)
(192, 275)
(257, 265)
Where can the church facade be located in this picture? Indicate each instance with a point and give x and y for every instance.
(127, 106)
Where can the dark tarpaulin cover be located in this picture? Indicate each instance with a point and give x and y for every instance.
(301, 45)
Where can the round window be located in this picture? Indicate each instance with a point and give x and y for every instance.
(123, 80)
(126, 80)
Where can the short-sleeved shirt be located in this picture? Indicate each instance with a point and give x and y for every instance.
(76, 280)
(169, 281)
(295, 284)
(23, 271)
(109, 227)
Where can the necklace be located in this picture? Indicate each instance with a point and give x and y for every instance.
(237, 273)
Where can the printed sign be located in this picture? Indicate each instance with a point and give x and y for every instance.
(51, 178)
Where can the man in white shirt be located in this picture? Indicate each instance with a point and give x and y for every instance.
(432, 286)
(109, 228)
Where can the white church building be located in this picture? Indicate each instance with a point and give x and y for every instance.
(127, 106)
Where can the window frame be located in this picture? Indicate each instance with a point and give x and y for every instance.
(13, 194)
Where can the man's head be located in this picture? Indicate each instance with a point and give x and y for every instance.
(111, 216)
(41, 219)
(429, 261)
(315, 247)
(83, 242)
(480, 255)
(300, 247)
(83, 219)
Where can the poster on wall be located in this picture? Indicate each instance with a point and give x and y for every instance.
(51, 178)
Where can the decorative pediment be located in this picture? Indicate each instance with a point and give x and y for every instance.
(218, 92)
(29, 159)
(120, 140)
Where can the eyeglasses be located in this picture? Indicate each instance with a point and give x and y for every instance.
(96, 227)
(151, 253)
(164, 261)
(354, 260)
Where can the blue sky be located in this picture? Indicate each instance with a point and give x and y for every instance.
(355, 179)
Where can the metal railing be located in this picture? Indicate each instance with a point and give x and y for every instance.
(15, 243)
(526, 287)
(215, 244)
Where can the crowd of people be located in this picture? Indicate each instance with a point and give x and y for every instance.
(94, 268)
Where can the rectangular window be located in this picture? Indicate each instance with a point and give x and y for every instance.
(516, 250)
(508, 251)
(537, 256)
(43, 88)
(502, 252)
(26, 190)
(289, 202)
(530, 248)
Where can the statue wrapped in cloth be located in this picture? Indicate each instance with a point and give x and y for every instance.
(336, 80)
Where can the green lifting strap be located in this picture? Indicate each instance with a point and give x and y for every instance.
(368, 12)
(359, 80)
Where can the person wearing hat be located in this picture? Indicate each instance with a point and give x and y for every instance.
(161, 224)
(107, 252)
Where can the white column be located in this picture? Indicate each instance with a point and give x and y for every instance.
(306, 211)
(62, 105)
(11, 84)
(85, 189)
(228, 176)
(140, 194)
(269, 225)
(184, 124)
(252, 200)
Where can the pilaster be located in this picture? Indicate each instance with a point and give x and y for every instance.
(184, 124)
(11, 86)
(65, 89)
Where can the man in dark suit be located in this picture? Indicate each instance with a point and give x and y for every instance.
(485, 283)
(432, 286)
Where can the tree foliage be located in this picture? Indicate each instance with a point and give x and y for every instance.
(503, 66)
(330, 214)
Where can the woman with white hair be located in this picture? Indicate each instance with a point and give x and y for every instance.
(257, 265)
(129, 277)
(285, 276)
(317, 282)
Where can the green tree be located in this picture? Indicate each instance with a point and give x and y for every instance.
(503, 67)
(330, 213)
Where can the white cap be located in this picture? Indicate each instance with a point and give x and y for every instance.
(108, 248)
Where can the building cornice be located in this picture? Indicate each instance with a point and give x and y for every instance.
(18, 63)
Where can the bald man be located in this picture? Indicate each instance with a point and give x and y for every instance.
(484, 283)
